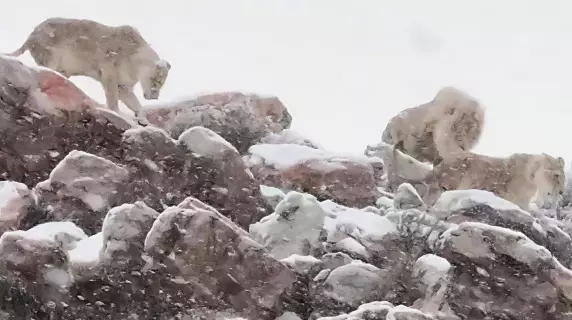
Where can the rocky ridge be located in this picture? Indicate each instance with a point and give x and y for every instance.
(217, 210)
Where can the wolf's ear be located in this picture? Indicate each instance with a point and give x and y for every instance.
(561, 161)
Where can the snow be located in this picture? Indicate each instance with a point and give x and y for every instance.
(268, 191)
(439, 264)
(87, 250)
(288, 316)
(296, 258)
(301, 264)
(136, 134)
(282, 156)
(393, 313)
(289, 136)
(10, 191)
(370, 308)
(384, 202)
(431, 267)
(297, 220)
(50, 231)
(353, 282)
(352, 246)
(205, 142)
(363, 224)
(523, 249)
(460, 199)
(57, 277)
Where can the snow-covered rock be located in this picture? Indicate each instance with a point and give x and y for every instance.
(242, 119)
(15, 200)
(302, 264)
(216, 258)
(168, 205)
(272, 195)
(407, 197)
(348, 179)
(501, 259)
(433, 278)
(483, 206)
(349, 286)
(289, 136)
(366, 227)
(40, 254)
(165, 171)
(41, 89)
(205, 142)
(123, 232)
(294, 227)
(84, 259)
(86, 182)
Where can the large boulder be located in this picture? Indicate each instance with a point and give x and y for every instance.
(242, 119)
(44, 116)
(482, 206)
(492, 264)
(15, 201)
(217, 258)
(200, 163)
(349, 180)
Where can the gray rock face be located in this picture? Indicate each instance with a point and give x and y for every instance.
(101, 218)
(241, 119)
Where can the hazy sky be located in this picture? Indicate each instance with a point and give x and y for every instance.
(343, 68)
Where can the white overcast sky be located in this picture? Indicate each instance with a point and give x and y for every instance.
(343, 68)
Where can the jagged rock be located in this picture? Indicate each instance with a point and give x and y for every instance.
(217, 258)
(349, 180)
(123, 232)
(241, 119)
(15, 200)
(407, 197)
(491, 266)
(347, 287)
(165, 171)
(296, 298)
(39, 254)
(289, 316)
(432, 276)
(303, 264)
(81, 189)
(272, 195)
(294, 228)
(483, 206)
(84, 259)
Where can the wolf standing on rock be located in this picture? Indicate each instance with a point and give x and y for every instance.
(118, 57)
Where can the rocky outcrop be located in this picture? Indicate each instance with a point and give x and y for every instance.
(87, 160)
(241, 119)
(103, 218)
(350, 180)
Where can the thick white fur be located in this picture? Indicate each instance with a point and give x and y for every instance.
(452, 121)
(516, 178)
(118, 57)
